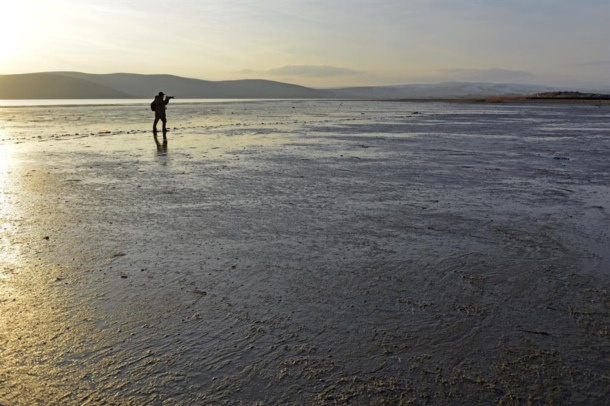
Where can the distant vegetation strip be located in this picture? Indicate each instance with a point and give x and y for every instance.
(550, 97)
(570, 96)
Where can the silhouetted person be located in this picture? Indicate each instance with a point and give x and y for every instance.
(160, 102)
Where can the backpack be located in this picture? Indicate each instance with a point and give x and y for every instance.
(153, 106)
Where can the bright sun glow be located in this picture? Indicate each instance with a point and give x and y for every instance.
(13, 27)
(19, 28)
(13, 16)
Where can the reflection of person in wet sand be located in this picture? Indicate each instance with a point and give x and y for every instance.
(160, 102)
(161, 147)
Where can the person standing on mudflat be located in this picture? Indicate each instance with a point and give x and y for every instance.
(159, 103)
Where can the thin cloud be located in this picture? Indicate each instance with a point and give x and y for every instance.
(311, 71)
(595, 64)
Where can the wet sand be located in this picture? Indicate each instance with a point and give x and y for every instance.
(306, 253)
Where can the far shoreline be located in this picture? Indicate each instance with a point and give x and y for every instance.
(508, 99)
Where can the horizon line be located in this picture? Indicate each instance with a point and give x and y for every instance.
(430, 81)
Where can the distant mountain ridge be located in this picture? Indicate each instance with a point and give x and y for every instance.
(77, 85)
(54, 86)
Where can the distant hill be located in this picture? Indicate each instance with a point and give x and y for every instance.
(53, 86)
(76, 85)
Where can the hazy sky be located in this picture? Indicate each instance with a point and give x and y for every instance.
(316, 43)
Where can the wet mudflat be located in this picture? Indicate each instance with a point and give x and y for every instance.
(304, 252)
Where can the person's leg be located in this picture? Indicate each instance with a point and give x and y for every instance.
(164, 120)
(155, 124)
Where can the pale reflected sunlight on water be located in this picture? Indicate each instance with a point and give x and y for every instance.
(39, 323)
(7, 207)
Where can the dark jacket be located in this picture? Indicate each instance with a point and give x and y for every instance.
(160, 104)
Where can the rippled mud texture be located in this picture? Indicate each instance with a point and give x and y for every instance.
(307, 253)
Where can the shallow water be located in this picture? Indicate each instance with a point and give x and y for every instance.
(305, 252)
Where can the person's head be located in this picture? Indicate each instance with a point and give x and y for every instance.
(161, 94)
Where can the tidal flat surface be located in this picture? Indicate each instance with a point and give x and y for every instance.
(305, 252)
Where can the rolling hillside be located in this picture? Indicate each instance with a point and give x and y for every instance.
(75, 85)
